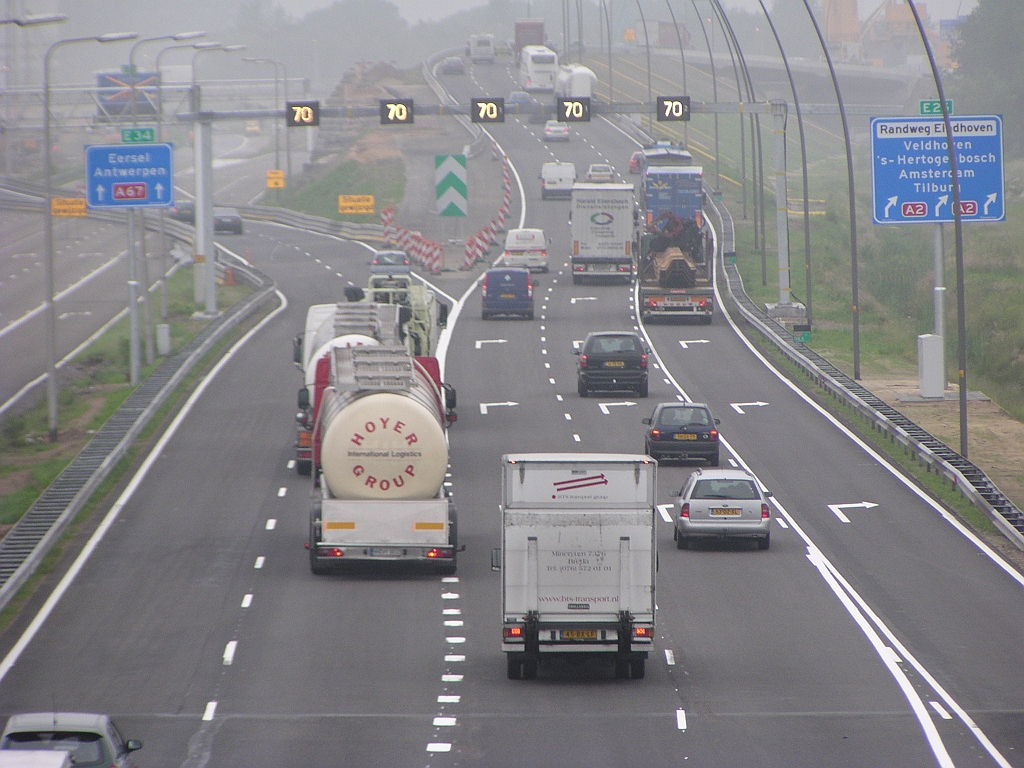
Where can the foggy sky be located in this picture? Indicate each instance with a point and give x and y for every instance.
(431, 10)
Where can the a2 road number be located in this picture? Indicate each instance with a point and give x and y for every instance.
(301, 114)
(574, 110)
(396, 111)
(671, 108)
(487, 110)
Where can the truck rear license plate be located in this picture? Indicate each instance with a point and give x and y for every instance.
(385, 552)
(685, 436)
(579, 634)
(726, 512)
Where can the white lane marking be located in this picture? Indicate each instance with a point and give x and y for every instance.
(455, 641)
(271, 524)
(479, 344)
(451, 678)
(582, 298)
(454, 623)
(605, 406)
(663, 510)
(681, 719)
(290, 464)
(551, 381)
(576, 438)
(450, 596)
(543, 339)
(732, 463)
(684, 344)
(837, 508)
(211, 707)
(670, 657)
(450, 579)
(782, 522)
(455, 657)
(738, 407)
(247, 601)
(439, 746)
(543, 351)
(568, 416)
(259, 562)
(452, 612)
(559, 398)
(895, 657)
(941, 710)
(444, 722)
(548, 366)
(448, 699)
(281, 491)
(229, 653)
(485, 406)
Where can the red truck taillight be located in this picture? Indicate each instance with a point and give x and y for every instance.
(513, 634)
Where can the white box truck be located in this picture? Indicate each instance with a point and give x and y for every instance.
(578, 559)
(602, 221)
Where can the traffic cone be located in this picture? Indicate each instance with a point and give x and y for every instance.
(229, 276)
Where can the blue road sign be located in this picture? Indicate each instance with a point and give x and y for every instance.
(911, 177)
(129, 176)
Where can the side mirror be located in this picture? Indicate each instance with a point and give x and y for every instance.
(718, 421)
(496, 559)
(645, 421)
(676, 494)
(449, 395)
(303, 399)
(297, 349)
(133, 745)
(354, 293)
(442, 316)
(768, 494)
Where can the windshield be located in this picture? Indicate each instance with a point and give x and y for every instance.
(87, 749)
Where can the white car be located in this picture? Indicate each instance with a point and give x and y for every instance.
(723, 504)
(556, 131)
(600, 172)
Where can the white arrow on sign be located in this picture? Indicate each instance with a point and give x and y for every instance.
(890, 204)
(738, 407)
(480, 342)
(837, 509)
(606, 406)
(989, 200)
(942, 201)
(684, 344)
(485, 406)
(582, 298)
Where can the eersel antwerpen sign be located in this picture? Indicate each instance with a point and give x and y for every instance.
(129, 175)
(911, 176)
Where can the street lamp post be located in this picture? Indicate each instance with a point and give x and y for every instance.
(277, 131)
(140, 219)
(204, 187)
(51, 311)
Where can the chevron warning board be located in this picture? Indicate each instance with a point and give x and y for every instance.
(450, 185)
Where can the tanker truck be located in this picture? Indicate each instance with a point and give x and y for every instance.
(329, 326)
(380, 457)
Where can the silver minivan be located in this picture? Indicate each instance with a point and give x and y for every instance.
(723, 503)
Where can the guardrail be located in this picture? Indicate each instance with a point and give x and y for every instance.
(927, 449)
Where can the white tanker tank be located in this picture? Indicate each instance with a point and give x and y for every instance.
(382, 427)
(380, 453)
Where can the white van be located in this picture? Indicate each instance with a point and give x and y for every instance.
(556, 179)
(481, 48)
(526, 248)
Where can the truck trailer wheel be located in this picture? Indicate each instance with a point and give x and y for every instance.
(530, 666)
(622, 668)
(304, 467)
(515, 666)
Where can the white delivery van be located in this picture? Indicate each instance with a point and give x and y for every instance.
(526, 248)
(578, 558)
(481, 48)
(556, 179)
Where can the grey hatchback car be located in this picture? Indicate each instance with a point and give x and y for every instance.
(93, 741)
(723, 503)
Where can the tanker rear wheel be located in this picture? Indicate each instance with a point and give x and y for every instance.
(304, 467)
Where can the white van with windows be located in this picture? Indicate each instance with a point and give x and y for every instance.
(538, 68)
(526, 248)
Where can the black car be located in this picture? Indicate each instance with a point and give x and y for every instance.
(612, 361)
(184, 211)
(227, 220)
(682, 431)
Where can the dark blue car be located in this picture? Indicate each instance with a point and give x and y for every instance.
(507, 291)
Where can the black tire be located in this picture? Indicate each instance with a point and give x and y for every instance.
(581, 388)
(515, 667)
(714, 459)
(485, 315)
(304, 467)
(681, 541)
(641, 390)
(317, 567)
(638, 668)
(764, 543)
(708, 319)
(529, 315)
(530, 667)
(576, 280)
